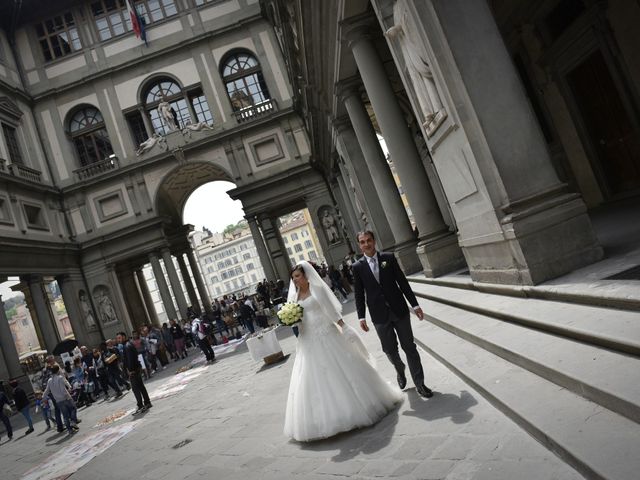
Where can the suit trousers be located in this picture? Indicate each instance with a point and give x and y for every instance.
(139, 390)
(400, 329)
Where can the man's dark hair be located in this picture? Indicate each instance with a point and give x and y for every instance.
(55, 368)
(365, 232)
(122, 333)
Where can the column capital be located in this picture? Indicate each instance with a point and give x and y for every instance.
(358, 28)
(348, 87)
(31, 279)
(341, 124)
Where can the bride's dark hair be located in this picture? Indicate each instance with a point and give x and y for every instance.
(297, 268)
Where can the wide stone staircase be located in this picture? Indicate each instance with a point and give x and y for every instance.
(566, 368)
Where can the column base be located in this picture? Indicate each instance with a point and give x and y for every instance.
(440, 255)
(555, 239)
(407, 257)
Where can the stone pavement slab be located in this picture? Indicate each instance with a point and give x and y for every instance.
(227, 423)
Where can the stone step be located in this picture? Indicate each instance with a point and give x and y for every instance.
(600, 375)
(600, 293)
(598, 443)
(615, 329)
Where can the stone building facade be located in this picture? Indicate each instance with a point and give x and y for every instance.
(105, 136)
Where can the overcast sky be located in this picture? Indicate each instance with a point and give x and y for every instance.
(5, 289)
(210, 206)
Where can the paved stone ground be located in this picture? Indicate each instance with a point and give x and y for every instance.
(227, 424)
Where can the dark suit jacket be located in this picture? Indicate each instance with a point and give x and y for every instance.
(388, 295)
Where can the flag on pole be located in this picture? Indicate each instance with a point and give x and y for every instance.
(137, 22)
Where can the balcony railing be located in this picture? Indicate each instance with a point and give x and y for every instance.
(95, 169)
(18, 170)
(254, 112)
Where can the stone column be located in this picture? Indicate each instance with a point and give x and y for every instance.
(385, 187)
(348, 209)
(133, 298)
(438, 247)
(163, 288)
(265, 258)
(146, 297)
(186, 276)
(9, 351)
(174, 279)
(202, 289)
(119, 303)
(76, 317)
(43, 313)
(517, 223)
(277, 251)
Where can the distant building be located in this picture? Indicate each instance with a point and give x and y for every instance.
(229, 261)
(300, 238)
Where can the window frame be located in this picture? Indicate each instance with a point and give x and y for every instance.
(142, 6)
(242, 75)
(88, 131)
(12, 143)
(67, 29)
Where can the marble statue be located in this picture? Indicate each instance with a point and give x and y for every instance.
(330, 227)
(166, 114)
(87, 313)
(418, 66)
(105, 306)
(240, 100)
(151, 142)
(195, 127)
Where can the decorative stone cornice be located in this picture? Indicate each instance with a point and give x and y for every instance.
(10, 109)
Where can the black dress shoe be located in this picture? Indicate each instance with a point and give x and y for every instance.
(402, 380)
(424, 391)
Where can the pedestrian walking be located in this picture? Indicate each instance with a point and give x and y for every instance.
(4, 403)
(59, 387)
(134, 368)
(199, 331)
(22, 404)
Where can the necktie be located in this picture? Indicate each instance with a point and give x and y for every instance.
(374, 268)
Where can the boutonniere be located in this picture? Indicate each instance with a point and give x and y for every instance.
(383, 264)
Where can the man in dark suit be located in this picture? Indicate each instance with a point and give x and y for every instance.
(379, 279)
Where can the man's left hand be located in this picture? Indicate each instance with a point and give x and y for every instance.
(419, 313)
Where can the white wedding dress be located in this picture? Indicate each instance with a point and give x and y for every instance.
(333, 387)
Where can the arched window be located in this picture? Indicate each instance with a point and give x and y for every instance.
(180, 102)
(89, 136)
(243, 79)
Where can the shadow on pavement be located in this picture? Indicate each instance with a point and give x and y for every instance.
(442, 405)
(368, 440)
(266, 367)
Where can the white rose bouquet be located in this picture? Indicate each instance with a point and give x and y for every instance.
(290, 313)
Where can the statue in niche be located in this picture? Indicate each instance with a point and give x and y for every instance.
(105, 306)
(240, 100)
(195, 127)
(151, 142)
(87, 313)
(330, 227)
(166, 114)
(419, 68)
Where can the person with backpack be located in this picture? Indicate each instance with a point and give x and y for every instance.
(199, 331)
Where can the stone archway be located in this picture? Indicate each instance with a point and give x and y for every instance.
(181, 182)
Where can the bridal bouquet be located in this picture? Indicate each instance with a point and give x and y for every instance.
(290, 313)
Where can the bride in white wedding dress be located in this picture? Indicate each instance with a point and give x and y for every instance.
(333, 387)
